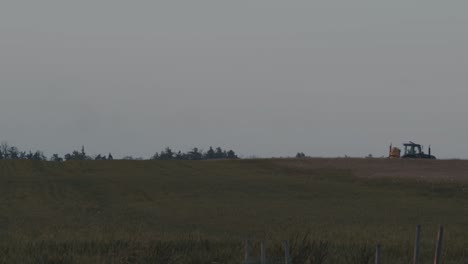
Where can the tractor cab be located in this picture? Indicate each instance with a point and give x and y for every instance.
(412, 149)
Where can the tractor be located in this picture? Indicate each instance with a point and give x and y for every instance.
(412, 151)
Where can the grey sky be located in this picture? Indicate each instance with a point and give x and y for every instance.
(266, 77)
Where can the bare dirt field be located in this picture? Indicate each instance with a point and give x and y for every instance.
(372, 168)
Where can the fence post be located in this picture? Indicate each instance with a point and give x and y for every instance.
(262, 253)
(377, 254)
(286, 252)
(247, 252)
(438, 252)
(416, 244)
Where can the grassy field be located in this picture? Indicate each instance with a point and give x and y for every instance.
(332, 210)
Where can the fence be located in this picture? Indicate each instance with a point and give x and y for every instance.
(378, 249)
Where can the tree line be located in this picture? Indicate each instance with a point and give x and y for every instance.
(8, 152)
(12, 152)
(195, 154)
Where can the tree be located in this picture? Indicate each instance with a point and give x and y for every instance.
(77, 155)
(167, 154)
(56, 158)
(83, 153)
(155, 156)
(13, 153)
(300, 155)
(4, 149)
(22, 155)
(180, 156)
(195, 154)
(210, 154)
(231, 155)
(29, 155)
(38, 155)
(109, 157)
(220, 154)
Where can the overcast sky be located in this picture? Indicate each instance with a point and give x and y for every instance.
(264, 77)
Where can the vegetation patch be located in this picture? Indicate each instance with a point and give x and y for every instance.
(185, 211)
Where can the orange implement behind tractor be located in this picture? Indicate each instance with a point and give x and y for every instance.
(394, 152)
